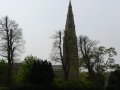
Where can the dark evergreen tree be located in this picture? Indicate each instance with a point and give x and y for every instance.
(114, 80)
(35, 74)
(35, 71)
(41, 73)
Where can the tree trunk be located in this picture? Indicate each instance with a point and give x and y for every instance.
(91, 73)
(9, 74)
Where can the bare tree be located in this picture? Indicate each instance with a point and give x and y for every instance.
(11, 43)
(57, 53)
(86, 50)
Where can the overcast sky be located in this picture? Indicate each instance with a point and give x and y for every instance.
(39, 19)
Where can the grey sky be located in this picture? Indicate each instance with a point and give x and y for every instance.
(39, 19)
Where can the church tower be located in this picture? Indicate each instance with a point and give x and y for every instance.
(70, 49)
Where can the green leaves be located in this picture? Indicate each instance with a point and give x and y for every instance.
(35, 71)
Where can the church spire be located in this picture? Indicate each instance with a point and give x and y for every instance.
(70, 49)
(70, 17)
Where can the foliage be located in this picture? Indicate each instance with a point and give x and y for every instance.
(97, 60)
(11, 39)
(116, 66)
(25, 69)
(104, 58)
(114, 79)
(41, 73)
(35, 71)
(88, 83)
(11, 42)
(86, 50)
(3, 66)
(83, 83)
(4, 88)
(60, 84)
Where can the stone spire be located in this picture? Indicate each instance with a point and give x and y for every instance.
(70, 50)
(70, 18)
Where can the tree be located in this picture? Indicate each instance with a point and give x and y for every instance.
(25, 69)
(104, 58)
(86, 50)
(96, 59)
(41, 73)
(35, 71)
(11, 43)
(114, 80)
(57, 54)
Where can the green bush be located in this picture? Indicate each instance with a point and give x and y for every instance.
(35, 71)
(3, 88)
(82, 83)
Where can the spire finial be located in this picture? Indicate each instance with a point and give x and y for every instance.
(70, 17)
(70, 3)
